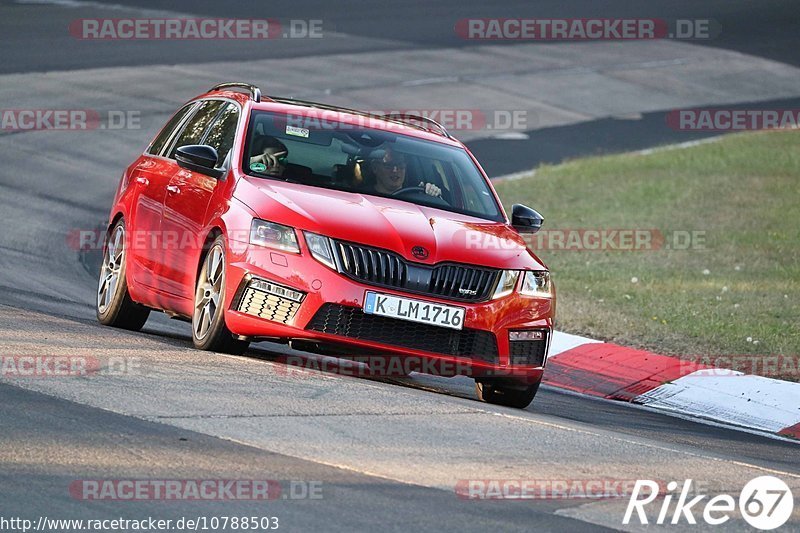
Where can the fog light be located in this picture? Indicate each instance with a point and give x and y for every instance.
(277, 290)
(530, 335)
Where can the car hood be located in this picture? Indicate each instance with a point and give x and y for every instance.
(389, 224)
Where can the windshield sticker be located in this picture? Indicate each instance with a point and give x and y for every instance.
(258, 167)
(297, 132)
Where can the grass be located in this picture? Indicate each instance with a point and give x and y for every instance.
(736, 294)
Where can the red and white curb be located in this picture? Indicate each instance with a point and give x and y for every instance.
(673, 385)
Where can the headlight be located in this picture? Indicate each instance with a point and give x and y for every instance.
(508, 280)
(536, 283)
(273, 235)
(320, 248)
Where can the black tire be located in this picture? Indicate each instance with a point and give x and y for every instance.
(507, 393)
(213, 335)
(113, 303)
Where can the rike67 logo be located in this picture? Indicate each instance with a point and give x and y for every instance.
(765, 502)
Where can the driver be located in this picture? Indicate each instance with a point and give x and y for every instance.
(390, 174)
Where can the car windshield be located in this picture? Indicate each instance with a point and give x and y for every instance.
(355, 158)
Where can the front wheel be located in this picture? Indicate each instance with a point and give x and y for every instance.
(507, 393)
(209, 331)
(114, 305)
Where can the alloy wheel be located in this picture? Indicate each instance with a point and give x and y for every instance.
(111, 268)
(209, 292)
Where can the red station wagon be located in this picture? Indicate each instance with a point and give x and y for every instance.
(334, 230)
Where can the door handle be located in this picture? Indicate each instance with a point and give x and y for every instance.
(173, 189)
(142, 180)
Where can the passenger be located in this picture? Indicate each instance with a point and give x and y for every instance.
(272, 154)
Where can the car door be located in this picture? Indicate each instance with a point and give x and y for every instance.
(150, 177)
(186, 206)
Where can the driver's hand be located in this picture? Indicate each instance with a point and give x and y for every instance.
(431, 189)
(268, 159)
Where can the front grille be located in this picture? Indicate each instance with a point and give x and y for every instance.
(528, 353)
(267, 306)
(387, 269)
(373, 266)
(353, 323)
(462, 282)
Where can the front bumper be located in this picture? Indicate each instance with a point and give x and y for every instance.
(323, 306)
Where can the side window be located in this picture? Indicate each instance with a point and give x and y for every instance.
(193, 131)
(222, 133)
(166, 132)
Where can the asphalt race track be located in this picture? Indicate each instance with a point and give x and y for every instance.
(387, 454)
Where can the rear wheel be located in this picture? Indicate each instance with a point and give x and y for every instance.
(507, 393)
(114, 304)
(209, 331)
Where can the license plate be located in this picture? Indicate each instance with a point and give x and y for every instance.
(446, 316)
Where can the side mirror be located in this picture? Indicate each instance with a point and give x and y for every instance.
(199, 158)
(526, 220)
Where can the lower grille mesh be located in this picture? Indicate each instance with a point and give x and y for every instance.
(352, 322)
(268, 306)
(528, 353)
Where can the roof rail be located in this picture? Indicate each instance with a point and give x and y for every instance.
(405, 117)
(255, 92)
(320, 105)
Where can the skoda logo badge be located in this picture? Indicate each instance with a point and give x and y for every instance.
(419, 252)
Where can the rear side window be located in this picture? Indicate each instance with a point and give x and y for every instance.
(222, 133)
(166, 133)
(193, 131)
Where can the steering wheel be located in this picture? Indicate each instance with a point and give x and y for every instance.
(406, 190)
